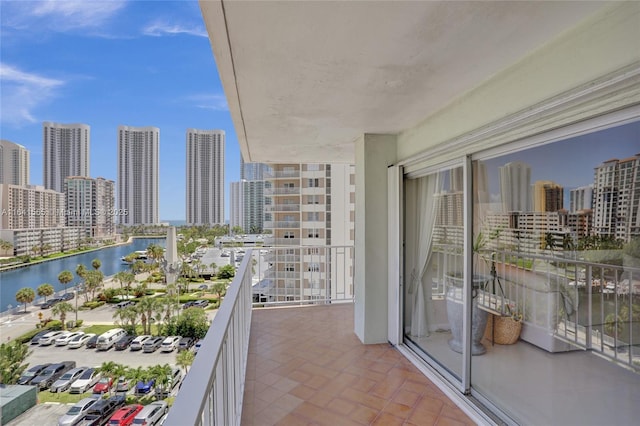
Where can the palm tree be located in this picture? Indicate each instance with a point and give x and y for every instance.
(138, 374)
(25, 295)
(118, 371)
(155, 253)
(45, 290)
(145, 307)
(128, 318)
(12, 357)
(5, 245)
(162, 373)
(65, 277)
(94, 281)
(213, 267)
(184, 359)
(96, 264)
(220, 289)
(108, 369)
(61, 310)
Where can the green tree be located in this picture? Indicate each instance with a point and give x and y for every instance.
(61, 309)
(184, 359)
(5, 245)
(127, 318)
(226, 272)
(237, 230)
(109, 369)
(45, 290)
(213, 267)
(139, 374)
(162, 374)
(25, 295)
(155, 253)
(12, 357)
(220, 289)
(96, 264)
(193, 322)
(94, 281)
(65, 277)
(145, 308)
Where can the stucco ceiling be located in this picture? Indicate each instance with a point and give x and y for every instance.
(305, 79)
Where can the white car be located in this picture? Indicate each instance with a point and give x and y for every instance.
(86, 381)
(64, 339)
(49, 338)
(79, 340)
(170, 343)
(136, 344)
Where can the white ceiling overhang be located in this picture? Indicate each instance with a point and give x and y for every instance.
(305, 79)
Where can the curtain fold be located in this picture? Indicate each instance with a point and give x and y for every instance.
(420, 285)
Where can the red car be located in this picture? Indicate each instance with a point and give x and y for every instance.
(103, 385)
(125, 415)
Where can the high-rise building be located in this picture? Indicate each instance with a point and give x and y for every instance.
(309, 205)
(90, 204)
(252, 171)
(616, 198)
(581, 198)
(65, 153)
(138, 179)
(14, 163)
(205, 177)
(548, 196)
(235, 204)
(30, 207)
(515, 187)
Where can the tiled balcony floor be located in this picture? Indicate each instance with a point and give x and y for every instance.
(307, 367)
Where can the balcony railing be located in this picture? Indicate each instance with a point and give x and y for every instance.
(282, 208)
(273, 241)
(213, 390)
(278, 224)
(281, 191)
(275, 174)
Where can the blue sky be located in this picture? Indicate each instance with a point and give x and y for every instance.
(111, 63)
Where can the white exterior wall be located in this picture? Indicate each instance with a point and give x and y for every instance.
(236, 207)
(65, 150)
(138, 177)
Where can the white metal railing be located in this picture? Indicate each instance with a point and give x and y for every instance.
(282, 208)
(323, 274)
(212, 392)
(281, 191)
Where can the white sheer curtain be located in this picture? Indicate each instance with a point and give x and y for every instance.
(420, 284)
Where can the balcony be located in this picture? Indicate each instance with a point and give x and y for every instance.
(278, 224)
(281, 191)
(281, 174)
(282, 208)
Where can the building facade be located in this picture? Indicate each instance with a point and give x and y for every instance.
(547, 196)
(138, 176)
(65, 150)
(515, 187)
(205, 177)
(308, 207)
(90, 204)
(14, 163)
(30, 207)
(235, 204)
(581, 198)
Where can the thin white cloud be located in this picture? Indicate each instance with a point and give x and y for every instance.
(23, 92)
(61, 16)
(160, 28)
(216, 102)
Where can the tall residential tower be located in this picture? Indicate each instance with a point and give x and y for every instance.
(138, 185)
(205, 177)
(14, 163)
(65, 153)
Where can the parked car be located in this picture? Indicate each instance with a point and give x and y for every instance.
(52, 373)
(36, 339)
(125, 303)
(103, 385)
(123, 384)
(100, 412)
(65, 338)
(49, 338)
(49, 303)
(67, 296)
(87, 380)
(125, 415)
(136, 344)
(200, 304)
(77, 412)
(173, 381)
(91, 343)
(170, 343)
(65, 381)
(203, 287)
(143, 388)
(186, 343)
(188, 304)
(79, 340)
(31, 373)
(124, 342)
(151, 414)
(152, 344)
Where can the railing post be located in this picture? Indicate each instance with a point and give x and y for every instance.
(589, 306)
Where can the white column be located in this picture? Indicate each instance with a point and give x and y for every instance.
(374, 153)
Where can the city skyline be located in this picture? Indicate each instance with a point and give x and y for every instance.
(106, 64)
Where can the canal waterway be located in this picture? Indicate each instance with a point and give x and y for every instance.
(47, 272)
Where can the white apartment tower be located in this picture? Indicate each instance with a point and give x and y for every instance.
(14, 163)
(138, 180)
(90, 204)
(581, 198)
(205, 177)
(307, 209)
(235, 204)
(515, 187)
(65, 153)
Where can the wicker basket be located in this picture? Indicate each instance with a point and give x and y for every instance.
(507, 330)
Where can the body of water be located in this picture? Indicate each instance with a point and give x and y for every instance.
(47, 272)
